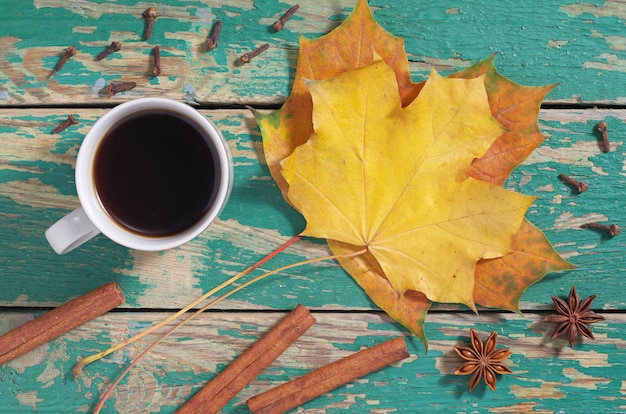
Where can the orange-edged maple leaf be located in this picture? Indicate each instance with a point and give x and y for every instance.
(516, 108)
(355, 43)
(409, 308)
(392, 179)
(500, 283)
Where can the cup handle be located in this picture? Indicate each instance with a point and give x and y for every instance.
(71, 231)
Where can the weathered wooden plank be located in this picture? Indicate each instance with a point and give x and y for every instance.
(576, 44)
(579, 45)
(37, 188)
(547, 376)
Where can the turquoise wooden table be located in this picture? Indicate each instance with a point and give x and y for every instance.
(580, 45)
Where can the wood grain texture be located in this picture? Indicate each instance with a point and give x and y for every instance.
(579, 45)
(547, 375)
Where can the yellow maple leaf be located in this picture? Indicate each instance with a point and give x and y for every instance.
(393, 179)
(358, 41)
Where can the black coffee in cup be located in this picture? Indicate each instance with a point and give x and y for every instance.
(156, 173)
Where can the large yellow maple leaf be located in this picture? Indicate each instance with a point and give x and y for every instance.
(393, 179)
(499, 282)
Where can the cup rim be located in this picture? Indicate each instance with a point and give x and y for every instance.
(90, 201)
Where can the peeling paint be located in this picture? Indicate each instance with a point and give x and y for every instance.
(568, 221)
(548, 188)
(177, 276)
(557, 43)
(544, 390)
(84, 29)
(609, 8)
(205, 13)
(579, 154)
(21, 193)
(617, 43)
(29, 399)
(613, 63)
(581, 380)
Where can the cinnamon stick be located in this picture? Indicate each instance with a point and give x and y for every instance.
(305, 388)
(228, 383)
(59, 321)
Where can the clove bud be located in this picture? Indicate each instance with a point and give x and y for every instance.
(211, 42)
(114, 88)
(69, 52)
(612, 230)
(602, 128)
(247, 57)
(280, 23)
(63, 125)
(113, 47)
(579, 186)
(150, 16)
(156, 69)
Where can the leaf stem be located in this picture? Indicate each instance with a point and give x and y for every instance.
(92, 358)
(211, 304)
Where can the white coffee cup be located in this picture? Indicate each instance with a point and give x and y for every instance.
(92, 218)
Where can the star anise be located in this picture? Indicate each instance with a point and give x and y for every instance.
(573, 317)
(483, 361)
